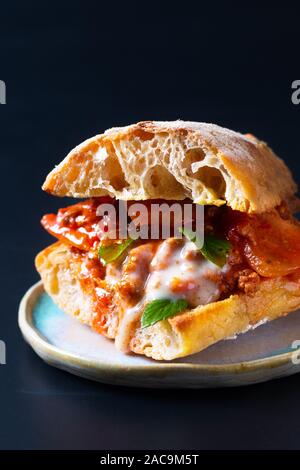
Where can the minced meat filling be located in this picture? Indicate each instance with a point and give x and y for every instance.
(261, 246)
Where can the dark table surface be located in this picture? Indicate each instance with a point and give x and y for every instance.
(72, 70)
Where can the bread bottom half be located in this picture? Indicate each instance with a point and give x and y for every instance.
(181, 335)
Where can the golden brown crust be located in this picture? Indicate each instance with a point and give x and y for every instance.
(184, 334)
(175, 160)
(195, 330)
(60, 270)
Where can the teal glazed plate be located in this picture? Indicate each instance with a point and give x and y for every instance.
(268, 352)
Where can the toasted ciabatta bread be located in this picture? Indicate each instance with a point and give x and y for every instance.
(184, 334)
(175, 160)
(60, 269)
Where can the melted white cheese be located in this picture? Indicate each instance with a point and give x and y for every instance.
(178, 266)
(125, 327)
(173, 262)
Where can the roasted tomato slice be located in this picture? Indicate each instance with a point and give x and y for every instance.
(76, 224)
(269, 243)
(77, 238)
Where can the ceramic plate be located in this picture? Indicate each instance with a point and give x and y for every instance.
(259, 355)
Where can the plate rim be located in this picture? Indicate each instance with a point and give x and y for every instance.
(40, 343)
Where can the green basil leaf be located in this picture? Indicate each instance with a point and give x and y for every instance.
(213, 249)
(109, 253)
(160, 309)
(190, 235)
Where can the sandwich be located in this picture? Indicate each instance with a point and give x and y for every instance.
(171, 296)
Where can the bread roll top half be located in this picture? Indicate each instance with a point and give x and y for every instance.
(175, 160)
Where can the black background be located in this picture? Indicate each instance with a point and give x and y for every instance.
(71, 71)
